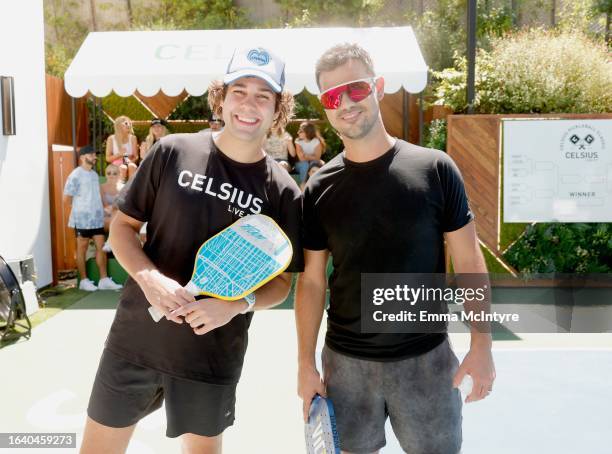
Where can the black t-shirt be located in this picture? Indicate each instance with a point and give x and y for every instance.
(188, 190)
(387, 215)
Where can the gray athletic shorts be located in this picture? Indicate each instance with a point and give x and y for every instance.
(416, 393)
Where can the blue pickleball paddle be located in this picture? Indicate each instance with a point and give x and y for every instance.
(320, 430)
(238, 260)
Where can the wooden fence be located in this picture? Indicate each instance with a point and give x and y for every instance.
(61, 163)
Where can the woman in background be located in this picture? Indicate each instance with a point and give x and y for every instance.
(279, 145)
(122, 148)
(308, 147)
(109, 192)
(157, 130)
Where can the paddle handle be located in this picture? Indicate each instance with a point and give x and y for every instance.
(157, 315)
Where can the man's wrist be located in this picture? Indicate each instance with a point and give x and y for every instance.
(481, 340)
(249, 300)
(144, 276)
(307, 362)
(242, 306)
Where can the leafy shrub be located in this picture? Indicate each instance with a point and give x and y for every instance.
(115, 105)
(325, 13)
(563, 248)
(435, 135)
(307, 106)
(192, 108)
(333, 141)
(533, 72)
(189, 15)
(441, 29)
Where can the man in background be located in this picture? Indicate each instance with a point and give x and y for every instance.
(82, 193)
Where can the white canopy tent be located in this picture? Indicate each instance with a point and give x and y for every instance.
(173, 61)
(148, 61)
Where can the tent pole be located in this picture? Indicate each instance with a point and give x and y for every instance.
(471, 54)
(100, 113)
(94, 141)
(73, 121)
(405, 115)
(421, 118)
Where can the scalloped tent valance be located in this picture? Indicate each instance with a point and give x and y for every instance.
(173, 61)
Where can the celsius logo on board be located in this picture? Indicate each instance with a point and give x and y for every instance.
(258, 56)
(583, 142)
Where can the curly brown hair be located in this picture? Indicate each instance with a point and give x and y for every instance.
(283, 108)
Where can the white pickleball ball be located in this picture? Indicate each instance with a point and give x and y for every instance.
(466, 385)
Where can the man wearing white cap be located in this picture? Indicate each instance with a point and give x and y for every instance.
(189, 188)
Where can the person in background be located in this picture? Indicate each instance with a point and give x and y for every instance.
(110, 191)
(216, 123)
(122, 148)
(82, 194)
(157, 130)
(308, 147)
(312, 169)
(279, 145)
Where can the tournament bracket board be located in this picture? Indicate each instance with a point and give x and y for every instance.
(557, 170)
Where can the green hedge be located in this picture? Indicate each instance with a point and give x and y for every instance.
(435, 135)
(115, 105)
(563, 248)
(533, 71)
(192, 108)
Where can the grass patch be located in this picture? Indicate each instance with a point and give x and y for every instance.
(509, 233)
(55, 300)
(494, 265)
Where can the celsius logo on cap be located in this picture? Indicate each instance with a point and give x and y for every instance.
(258, 56)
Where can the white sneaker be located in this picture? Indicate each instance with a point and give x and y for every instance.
(87, 285)
(108, 284)
(107, 247)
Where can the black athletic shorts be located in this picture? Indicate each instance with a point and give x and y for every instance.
(89, 233)
(123, 393)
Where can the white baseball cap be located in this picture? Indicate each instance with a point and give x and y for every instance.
(256, 62)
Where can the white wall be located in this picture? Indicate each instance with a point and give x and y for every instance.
(24, 181)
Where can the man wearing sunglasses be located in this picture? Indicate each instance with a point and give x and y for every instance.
(382, 206)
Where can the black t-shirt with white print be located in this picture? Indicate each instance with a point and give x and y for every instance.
(188, 190)
(387, 215)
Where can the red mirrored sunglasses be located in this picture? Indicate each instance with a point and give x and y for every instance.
(356, 90)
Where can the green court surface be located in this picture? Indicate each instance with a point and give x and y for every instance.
(114, 270)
